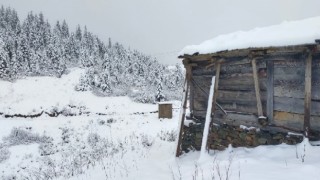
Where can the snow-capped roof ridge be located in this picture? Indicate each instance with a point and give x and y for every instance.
(287, 33)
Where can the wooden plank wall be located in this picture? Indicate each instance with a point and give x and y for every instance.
(289, 87)
(237, 91)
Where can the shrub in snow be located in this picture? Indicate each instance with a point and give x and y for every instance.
(71, 110)
(47, 148)
(142, 97)
(19, 136)
(101, 122)
(146, 140)
(9, 177)
(65, 134)
(93, 139)
(47, 170)
(4, 153)
(169, 136)
(54, 112)
(111, 120)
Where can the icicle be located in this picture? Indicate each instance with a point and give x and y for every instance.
(208, 119)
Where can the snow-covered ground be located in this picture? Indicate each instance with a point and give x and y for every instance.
(115, 138)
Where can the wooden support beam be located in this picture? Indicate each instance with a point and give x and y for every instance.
(262, 120)
(270, 90)
(256, 87)
(214, 99)
(184, 107)
(216, 84)
(307, 96)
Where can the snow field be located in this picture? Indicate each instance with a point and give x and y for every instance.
(123, 143)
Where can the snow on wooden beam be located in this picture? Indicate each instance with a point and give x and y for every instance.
(276, 50)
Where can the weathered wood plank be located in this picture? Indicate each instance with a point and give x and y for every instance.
(237, 119)
(184, 107)
(244, 96)
(294, 120)
(216, 86)
(214, 99)
(277, 50)
(191, 89)
(192, 97)
(296, 92)
(288, 119)
(199, 113)
(240, 106)
(270, 91)
(307, 98)
(256, 87)
(241, 84)
(232, 100)
(288, 75)
(183, 115)
(241, 68)
(295, 105)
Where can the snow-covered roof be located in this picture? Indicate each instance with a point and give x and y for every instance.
(287, 33)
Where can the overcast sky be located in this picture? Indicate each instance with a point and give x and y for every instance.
(163, 27)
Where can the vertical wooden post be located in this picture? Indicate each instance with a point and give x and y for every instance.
(256, 87)
(307, 96)
(270, 90)
(184, 106)
(191, 95)
(216, 83)
(214, 99)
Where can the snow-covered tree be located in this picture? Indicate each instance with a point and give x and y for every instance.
(159, 97)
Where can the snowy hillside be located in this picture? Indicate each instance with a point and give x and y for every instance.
(34, 47)
(115, 138)
(286, 33)
(36, 94)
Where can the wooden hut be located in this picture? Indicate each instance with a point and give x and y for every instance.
(263, 95)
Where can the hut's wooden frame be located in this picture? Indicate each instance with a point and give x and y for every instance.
(212, 63)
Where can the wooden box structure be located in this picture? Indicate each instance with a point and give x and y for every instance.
(274, 88)
(165, 110)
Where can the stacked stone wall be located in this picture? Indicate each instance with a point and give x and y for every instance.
(221, 136)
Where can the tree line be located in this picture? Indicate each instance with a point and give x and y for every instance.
(34, 47)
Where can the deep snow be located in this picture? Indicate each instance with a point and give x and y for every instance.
(287, 33)
(122, 143)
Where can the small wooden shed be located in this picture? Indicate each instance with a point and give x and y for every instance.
(275, 89)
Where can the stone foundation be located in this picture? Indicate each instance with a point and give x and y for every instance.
(221, 136)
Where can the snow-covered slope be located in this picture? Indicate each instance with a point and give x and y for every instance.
(286, 33)
(35, 94)
(127, 142)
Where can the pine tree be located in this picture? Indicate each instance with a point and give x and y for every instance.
(78, 33)
(159, 97)
(4, 69)
(109, 44)
(65, 30)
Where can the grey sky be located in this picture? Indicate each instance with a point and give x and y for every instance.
(163, 27)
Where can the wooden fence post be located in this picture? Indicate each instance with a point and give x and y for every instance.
(307, 96)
